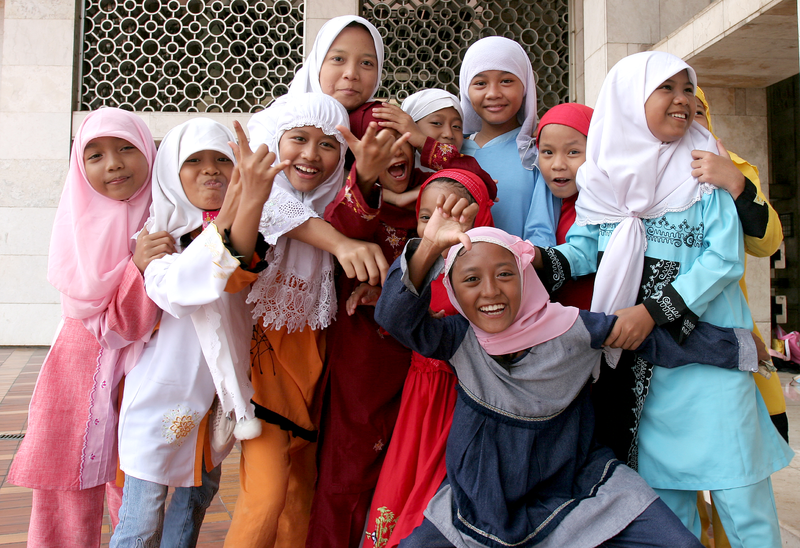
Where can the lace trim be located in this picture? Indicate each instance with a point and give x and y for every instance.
(313, 121)
(89, 420)
(282, 213)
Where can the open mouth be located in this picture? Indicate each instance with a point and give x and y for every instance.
(561, 181)
(493, 310)
(306, 171)
(398, 170)
(679, 115)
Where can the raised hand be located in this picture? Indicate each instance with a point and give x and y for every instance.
(451, 219)
(150, 247)
(256, 171)
(362, 260)
(397, 119)
(373, 152)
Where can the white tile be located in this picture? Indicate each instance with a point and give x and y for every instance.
(721, 100)
(34, 136)
(594, 27)
(28, 324)
(45, 42)
(595, 70)
(736, 11)
(27, 183)
(39, 9)
(681, 44)
(25, 230)
(25, 280)
(36, 89)
(756, 101)
(615, 53)
(328, 9)
(758, 288)
(708, 26)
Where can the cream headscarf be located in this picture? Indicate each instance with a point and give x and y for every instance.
(630, 175)
(427, 101)
(296, 290)
(498, 53)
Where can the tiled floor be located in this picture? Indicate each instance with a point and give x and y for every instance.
(20, 366)
(18, 370)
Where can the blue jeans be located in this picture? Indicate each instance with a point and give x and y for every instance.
(142, 523)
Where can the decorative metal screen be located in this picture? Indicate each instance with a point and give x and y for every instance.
(426, 40)
(189, 55)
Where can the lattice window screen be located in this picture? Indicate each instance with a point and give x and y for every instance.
(426, 41)
(189, 55)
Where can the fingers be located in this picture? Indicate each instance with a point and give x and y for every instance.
(348, 136)
(244, 145)
(700, 154)
(722, 150)
(400, 142)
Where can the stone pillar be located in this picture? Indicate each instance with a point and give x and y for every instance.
(36, 85)
(317, 12)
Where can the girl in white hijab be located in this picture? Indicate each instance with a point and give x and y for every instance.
(201, 348)
(675, 246)
(294, 301)
(498, 97)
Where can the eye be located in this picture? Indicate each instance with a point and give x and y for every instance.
(666, 87)
(424, 218)
(223, 159)
(336, 59)
(327, 144)
(298, 138)
(505, 274)
(437, 124)
(574, 152)
(471, 279)
(507, 81)
(689, 91)
(368, 63)
(128, 148)
(191, 160)
(479, 83)
(546, 152)
(459, 127)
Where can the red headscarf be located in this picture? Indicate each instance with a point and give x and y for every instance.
(571, 115)
(477, 182)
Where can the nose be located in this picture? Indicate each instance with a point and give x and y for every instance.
(559, 162)
(210, 168)
(489, 287)
(309, 151)
(114, 161)
(493, 90)
(351, 70)
(447, 132)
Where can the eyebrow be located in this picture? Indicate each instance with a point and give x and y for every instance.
(340, 50)
(568, 143)
(483, 74)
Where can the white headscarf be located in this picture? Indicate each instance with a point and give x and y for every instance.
(306, 79)
(630, 175)
(498, 53)
(427, 101)
(296, 289)
(171, 210)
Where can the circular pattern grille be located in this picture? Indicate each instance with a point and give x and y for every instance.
(189, 56)
(426, 41)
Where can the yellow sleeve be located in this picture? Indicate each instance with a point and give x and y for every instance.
(768, 245)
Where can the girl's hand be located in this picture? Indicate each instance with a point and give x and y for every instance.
(632, 326)
(362, 260)
(718, 169)
(364, 294)
(150, 247)
(256, 171)
(447, 226)
(373, 153)
(407, 199)
(230, 205)
(397, 119)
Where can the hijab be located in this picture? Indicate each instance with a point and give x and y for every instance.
(423, 103)
(498, 53)
(91, 242)
(297, 287)
(306, 79)
(630, 175)
(477, 182)
(538, 320)
(171, 210)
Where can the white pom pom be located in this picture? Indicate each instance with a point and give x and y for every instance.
(247, 429)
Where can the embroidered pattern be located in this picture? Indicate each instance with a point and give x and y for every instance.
(393, 238)
(643, 372)
(662, 231)
(656, 275)
(558, 271)
(378, 447)
(353, 203)
(384, 525)
(441, 155)
(178, 423)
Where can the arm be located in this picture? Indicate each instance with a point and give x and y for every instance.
(407, 199)
(577, 257)
(541, 221)
(373, 154)
(763, 233)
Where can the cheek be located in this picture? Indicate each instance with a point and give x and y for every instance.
(459, 138)
(94, 175)
(330, 163)
(327, 79)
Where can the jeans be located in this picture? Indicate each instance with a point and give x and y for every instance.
(142, 523)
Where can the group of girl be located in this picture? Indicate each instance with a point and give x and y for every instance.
(221, 290)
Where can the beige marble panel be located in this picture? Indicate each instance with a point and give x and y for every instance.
(36, 89)
(638, 48)
(709, 26)
(327, 9)
(594, 28)
(595, 69)
(758, 288)
(616, 52)
(633, 21)
(32, 183)
(681, 43)
(28, 324)
(312, 27)
(674, 13)
(29, 42)
(161, 122)
(40, 9)
(25, 280)
(34, 136)
(721, 100)
(756, 101)
(25, 230)
(735, 11)
(747, 137)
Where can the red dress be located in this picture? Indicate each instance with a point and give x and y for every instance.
(577, 293)
(365, 372)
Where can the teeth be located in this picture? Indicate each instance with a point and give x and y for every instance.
(681, 116)
(307, 169)
(493, 308)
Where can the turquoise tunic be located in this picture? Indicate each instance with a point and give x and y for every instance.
(526, 208)
(702, 428)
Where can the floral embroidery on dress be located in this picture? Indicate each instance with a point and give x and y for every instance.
(378, 447)
(384, 525)
(662, 231)
(354, 204)
(441, 155)
(178, 423)
(393, 238)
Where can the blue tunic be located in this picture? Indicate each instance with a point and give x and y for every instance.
(522, 462)
(526, 208)
(702, 428)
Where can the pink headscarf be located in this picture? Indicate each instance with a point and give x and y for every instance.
(91, 243)
(538, 320)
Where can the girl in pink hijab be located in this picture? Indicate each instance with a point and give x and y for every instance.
(69, 454)
(523, 467)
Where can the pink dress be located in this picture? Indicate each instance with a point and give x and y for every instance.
(71, 442)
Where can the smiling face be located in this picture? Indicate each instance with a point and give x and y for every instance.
(487, 286)
(562, 150)
(114, 167)
(397, 177)
(204, 177)
(670, 109)
(350, 69)
(444, 126)
(496, 97)
(314, 156)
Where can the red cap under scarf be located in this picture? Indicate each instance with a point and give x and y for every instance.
(573, 115)
(361, 117)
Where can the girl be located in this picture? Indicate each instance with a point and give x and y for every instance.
(561, 140)
(295, 300)
(523, 468)
(202, 339)
(498, 96)
(69, 454)
(415, 466)
(673, 245)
